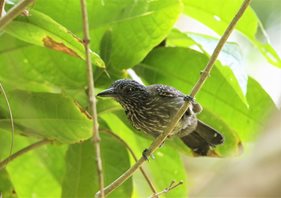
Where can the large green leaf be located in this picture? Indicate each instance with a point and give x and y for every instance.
(39, 29)
(39, 69)
(81, 176)
(50, 116)
(136, 26)
(52, 156)
(216, 96)
(155, 168)
(6, 187)
(30, 175)
(217, 14)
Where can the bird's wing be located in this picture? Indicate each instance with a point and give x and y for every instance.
(164, 90)
(172, 93)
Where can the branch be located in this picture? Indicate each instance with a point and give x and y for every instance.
(23, 151)
(205, 74)
(2, 7)
(91, 96)
(11, 118)
(135, 158)
(166, 190)
(13, 13)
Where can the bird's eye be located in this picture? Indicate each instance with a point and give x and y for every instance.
(130, 89)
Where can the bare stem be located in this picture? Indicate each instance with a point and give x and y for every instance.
(2, 6)
(14, 12)
(206, 73)
(166, 190)
(160, 139)
(135, 158)
(11, 119)
(91, 96)
(23, 151)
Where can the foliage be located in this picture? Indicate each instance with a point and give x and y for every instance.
(43, 71)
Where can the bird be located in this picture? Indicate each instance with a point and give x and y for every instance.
(151, 108)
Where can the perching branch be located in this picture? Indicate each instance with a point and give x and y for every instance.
(14, 12)
(205, 74)
(23, 151)
(135, 158)
(91, 96)
(166, 190)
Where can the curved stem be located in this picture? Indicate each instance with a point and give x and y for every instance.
(14, 12)
(91, 96)
(11, 118)
(166, 190)
(153, 189)
(160, 139)
(23, 151)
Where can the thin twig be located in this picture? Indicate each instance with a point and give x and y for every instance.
(91, 96)
(23, 151)
(160, 139)
(153, 189)
(11, 119)
(14, 12)
(166, 190)
(2, 7)
(206, 73)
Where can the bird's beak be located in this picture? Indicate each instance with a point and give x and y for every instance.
(107, 93)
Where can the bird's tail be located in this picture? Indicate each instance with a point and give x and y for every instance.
(203, 139)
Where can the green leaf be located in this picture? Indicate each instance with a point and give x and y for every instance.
(176, 38)
(81, 176)
(155, 168)
(167, 167)
(216, 96)
(39, 69)
(36, 182)
(106, 106)
(137, 26)
(6, 187)
(52, 156)
(50, 116)
(30, 176)
(106, 47)
(217, 15)
(41, 30)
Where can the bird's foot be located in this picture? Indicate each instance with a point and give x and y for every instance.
(145, 154)
(189, 98)
(162, 143)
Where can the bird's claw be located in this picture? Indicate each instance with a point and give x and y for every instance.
(162, 143)
(145, 154)
(189, 98)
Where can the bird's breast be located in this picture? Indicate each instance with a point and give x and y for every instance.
(153, 117)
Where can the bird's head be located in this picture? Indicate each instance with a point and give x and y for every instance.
(126, 92)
